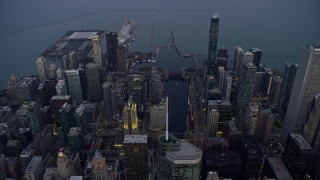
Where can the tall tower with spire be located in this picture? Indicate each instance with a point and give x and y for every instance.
(213, 42)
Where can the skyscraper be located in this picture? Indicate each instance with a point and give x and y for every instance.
(245, 91)
(213, 42)
(275, 90)
(237, 60)
(158, 116)
(286, 87)
(74, 86)
(306, 86)
(136, 157)
(65, 166)
(130, 118)
(94, 82)
(100, 171)
(35, 169)
(136, 90)
(256, 56)
(227, 85)
(61, 88)
(297, 156)
(53, 71)
(220, 76)
(73, 62)
(41, 67)
(112, 45)
(107, 98)
(97, 54)
(178, 159)
(251, 119)
(212, 121)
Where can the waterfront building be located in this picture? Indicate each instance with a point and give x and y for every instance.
(245, 91)
(97, 54)
(41, 67)
(52, 71)
(130, 118)
(26, 89)
(178, 159)
(74, 86)
(94, 82)
(257, 53)
(212, 47)
(112, 45)
(304, 89)
(248, 56)
(73, 61)
(136, 156)
(64, 164)
(286, 87)
(35, 169)
(158, 115)
(275, 90)
(156, 89)
(237, 61)
(251, 119)
(297, 156)
(266, 81)
(61, 88)
(60, 73)
(227, 86)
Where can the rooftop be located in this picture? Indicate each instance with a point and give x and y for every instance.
(303, 144)
(219, 157)
(33, 164)
(132, 139)
(219, 102)
(188, 154)
(279, 169)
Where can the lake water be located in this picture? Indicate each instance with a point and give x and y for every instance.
(279, 28)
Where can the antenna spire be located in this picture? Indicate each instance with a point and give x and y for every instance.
(167, 121)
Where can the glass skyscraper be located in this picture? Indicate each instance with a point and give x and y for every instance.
(213, 42)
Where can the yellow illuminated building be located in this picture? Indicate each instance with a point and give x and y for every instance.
(130, 118)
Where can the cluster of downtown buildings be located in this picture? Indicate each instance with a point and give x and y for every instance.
(93, 118)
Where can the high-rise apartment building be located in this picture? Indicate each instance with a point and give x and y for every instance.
(74, 86)
(220, 76)
(41, 67)
(306, 86)
(256, 56)
(61, 88)
(245, 91)
(213, 43)
(107, 99)
(97, 54)
(112, 45)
